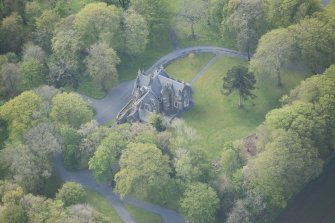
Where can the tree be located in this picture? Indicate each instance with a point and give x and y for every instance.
(92, 135)
(33, 52)
(193, 166)
(66, 47)
(106, 156)
(143, 169)
(40, 210)
(101, 65)
(10, 76)
(71, 193)
(154, 12)
(19, 113)
(301, 118)
(71, 154)
(286, 165)
(230, 161)
(98, 22)
(199, 203)
(157, 122)
(315, 40)
(11, 33)
(193, 11)
(245, 20)
(32, 10)
(9, 6)
(85, 213)
(32, 74)
(239, 213)
(27, 169)
(274, 51)
(42, 141)
(69, 108)
(12, 213)
(134, 33)
(45, 26)
(284, 12)
(239, 79)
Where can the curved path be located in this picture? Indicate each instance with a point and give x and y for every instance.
(85, 178)
(107, 108)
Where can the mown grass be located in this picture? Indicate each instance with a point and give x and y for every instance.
(159, 45)
(217, 118)
(142, 216)
(186, 68)
(87, 87)
(102, 205)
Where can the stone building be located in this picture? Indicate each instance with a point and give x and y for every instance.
(156, 93)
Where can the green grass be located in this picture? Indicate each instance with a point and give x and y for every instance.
(142, 216)
(217, 118)
(87, 87)
(102, 205)
(159, 46)
(185, 69)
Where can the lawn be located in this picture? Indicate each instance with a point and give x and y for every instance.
(102, 205)
(142, 216)
(217, 118)
(186, 68)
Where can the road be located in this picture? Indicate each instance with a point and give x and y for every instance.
(85, 178)
(107, 108)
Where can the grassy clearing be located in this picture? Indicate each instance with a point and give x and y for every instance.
(186, 68)
(217, 118)
(87, 87)
(142, 216)
(102, 205)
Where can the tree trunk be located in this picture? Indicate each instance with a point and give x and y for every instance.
(280, 84)
(192, 29)
(240, 101)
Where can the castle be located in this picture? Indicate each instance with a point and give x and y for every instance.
(156, 93)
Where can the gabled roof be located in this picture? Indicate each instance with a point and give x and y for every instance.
(157, 80)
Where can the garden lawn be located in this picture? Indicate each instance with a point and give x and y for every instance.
(217, 118)
(186, 68)
(102, 205)
(142, 216)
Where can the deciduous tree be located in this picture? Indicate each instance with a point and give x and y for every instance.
(143, 168)
(199, 203)
(274, 51)
(70, 109)
(11, 33)
(101, 65)
(193, 11)
(98, 22)
(134, 33)
(32, 74)
(19, 113)
(71, 193)
(106, 157)
(10, 77)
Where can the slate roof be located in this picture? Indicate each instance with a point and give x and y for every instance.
(158, 80)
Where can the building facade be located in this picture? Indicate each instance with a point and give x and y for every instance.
(156, 93)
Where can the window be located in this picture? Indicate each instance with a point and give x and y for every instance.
(187, 102)
(176, 104)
